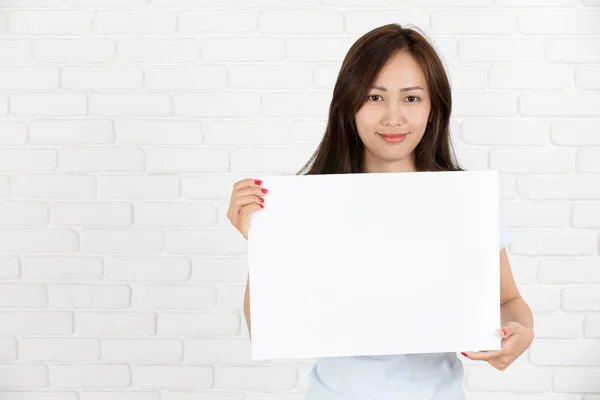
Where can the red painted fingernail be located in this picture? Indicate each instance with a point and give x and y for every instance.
(261, 206)
(264, 190)
(504, 331)
(258, 182)
(261, 199)
(463, 353)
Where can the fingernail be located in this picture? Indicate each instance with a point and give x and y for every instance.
(463, 353)
(264, 190)
(261, 206)
(261, 199)
(504, 331)
(258, 182)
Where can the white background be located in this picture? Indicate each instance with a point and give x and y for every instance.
(125, 123)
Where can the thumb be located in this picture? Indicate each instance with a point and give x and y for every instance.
(508, 330)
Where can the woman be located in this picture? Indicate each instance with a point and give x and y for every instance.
(390, 112)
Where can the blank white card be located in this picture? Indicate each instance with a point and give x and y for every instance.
(373, 264)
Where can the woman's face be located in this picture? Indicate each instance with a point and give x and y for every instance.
(398, 103)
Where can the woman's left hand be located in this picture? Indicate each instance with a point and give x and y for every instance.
(516, 338)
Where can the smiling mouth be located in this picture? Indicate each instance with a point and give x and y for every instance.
(393, 137)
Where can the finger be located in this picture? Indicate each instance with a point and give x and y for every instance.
(246, 210)
(483, 355)
(509, 329)
(244, 197)
(245, 183)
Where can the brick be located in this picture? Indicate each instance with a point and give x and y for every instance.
(569, 271)
(243, 49)
(553, 243)
(524, 214)
(522, 379)
(4, 186)
(101, 376)
(25, 78)
(270, 76)
(28, 160)
(26, 376)
(161, 297)
(131, 104)
(572, 50)
(134, 22)
(122, 240)
(315, 49)
(50, 268)
(207, 77)
(219, 269)
(8, 349)
(115, 395)
(91, 214)
(139, 187)
(572, 187)
(323, 21)
(207, 187)
(564, 353)
(225, 104)
(360, 22)
(50, 22)
(14, 51)
(270, 160)
(555, 22)
(541, 298)
(9, 267)
(588, 160)
(564, 104)
(576, 380)
(109, 159)
(71, 50)
(71, 296)
(255, 377)
(71, 132)
(480, 22)
(576, 132)
(308, 132)
(587, 77)
(530, 76)
(198, 324)
(217, 21)
(107, 77)
(296, 104)
(24, 213)
(500, 49)
(205, 242)
(15, 295)
(172, 377)
(54, 186)
(524, 269)
(48, 104)
(497, 104)
(175, 214)
(159, 132)
(158, 50)
(59, 349)
(36, 323)
(218, 351)
(251, 132)
(115, 323)
(558, 326)
(142, 350)
(581, 298)
(591, 326)
(187, 159)
(147, 269)
(32, 240)
(534, 161)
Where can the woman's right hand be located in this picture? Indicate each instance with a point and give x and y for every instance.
(246, 196)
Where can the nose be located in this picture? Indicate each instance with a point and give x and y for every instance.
(394, 115)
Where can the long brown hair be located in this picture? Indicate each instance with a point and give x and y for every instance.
(341, 149)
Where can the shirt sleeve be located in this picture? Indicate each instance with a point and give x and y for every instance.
(505, 236)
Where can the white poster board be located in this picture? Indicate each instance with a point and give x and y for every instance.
(378, 263)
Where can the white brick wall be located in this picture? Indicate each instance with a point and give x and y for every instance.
(124, 124)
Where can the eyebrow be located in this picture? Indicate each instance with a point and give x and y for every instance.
(406, 89)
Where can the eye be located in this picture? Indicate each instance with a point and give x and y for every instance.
(413, 97)
(373, 95)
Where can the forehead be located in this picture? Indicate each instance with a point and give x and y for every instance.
(401, 70)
